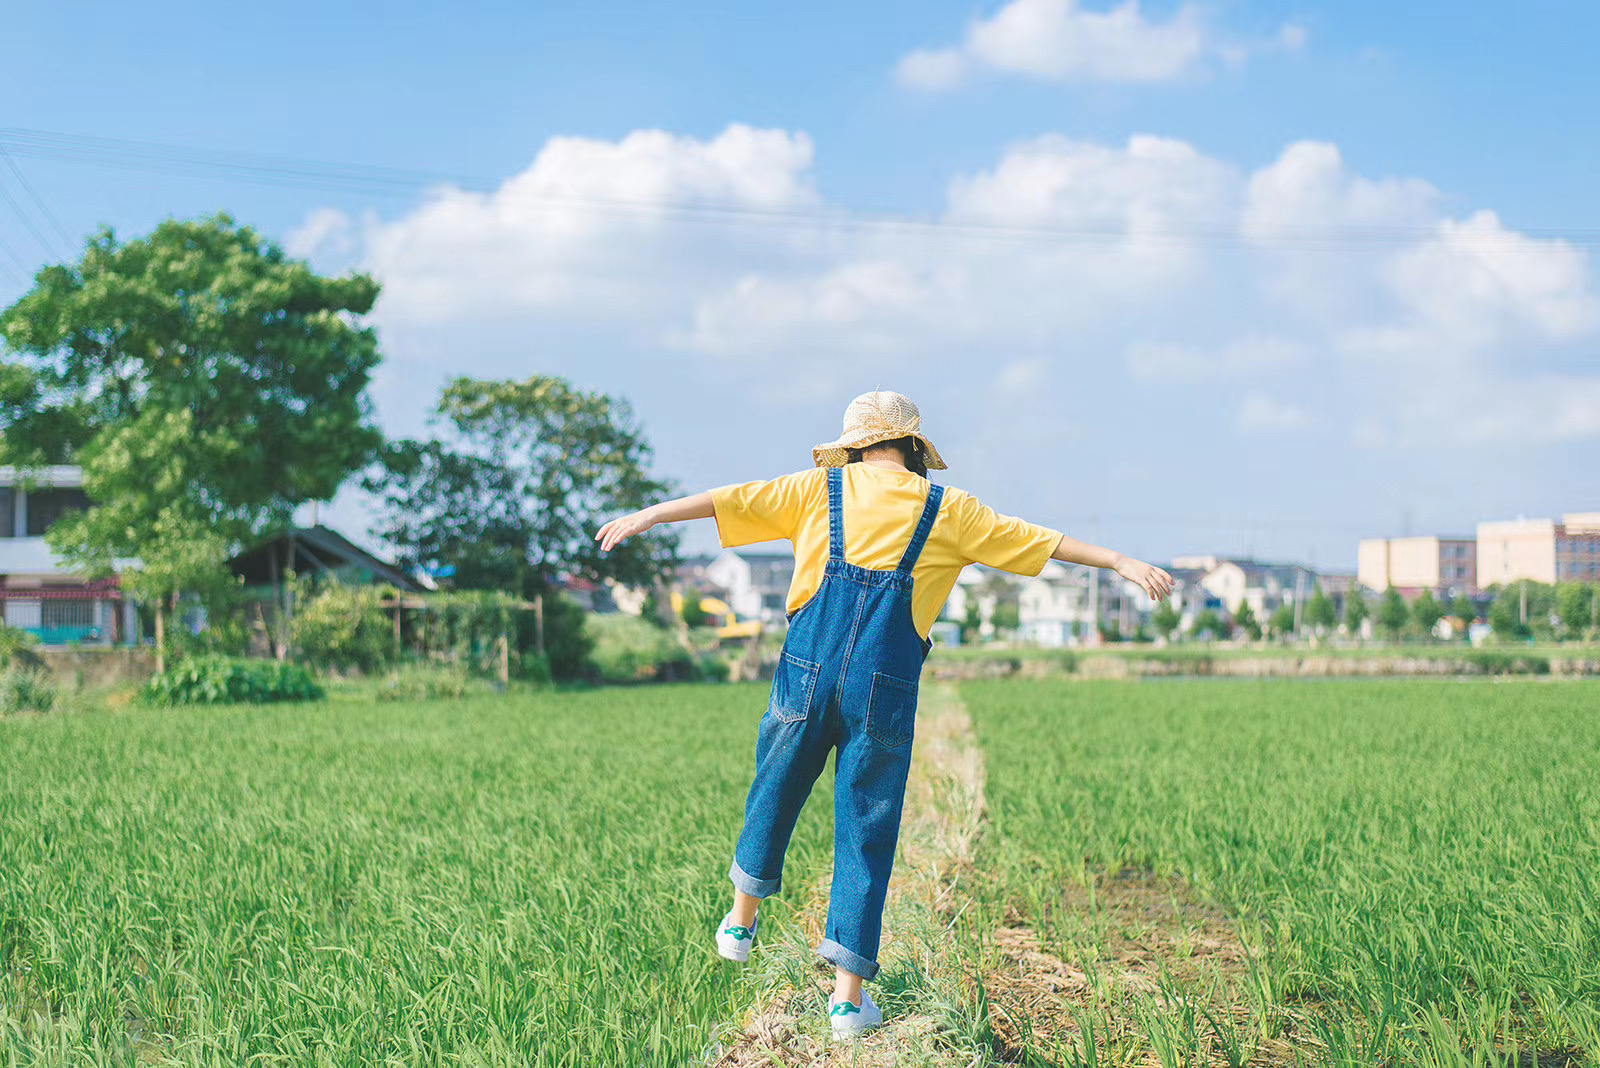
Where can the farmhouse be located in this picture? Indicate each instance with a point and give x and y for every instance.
(38, 592)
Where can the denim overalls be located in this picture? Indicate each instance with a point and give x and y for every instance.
(847, 677)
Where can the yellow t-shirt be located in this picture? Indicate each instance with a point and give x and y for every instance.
(881, 507)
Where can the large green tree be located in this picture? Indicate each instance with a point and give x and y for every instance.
(508, 491)
(207, 383)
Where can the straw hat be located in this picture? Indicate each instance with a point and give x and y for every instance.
(874, 417)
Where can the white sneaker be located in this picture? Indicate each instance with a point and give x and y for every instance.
(733, 941)
(848, 1018)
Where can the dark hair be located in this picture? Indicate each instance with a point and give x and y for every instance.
(910, 452)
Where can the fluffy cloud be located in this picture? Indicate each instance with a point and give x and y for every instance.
(1261, 414)
(1069, 293)
(590, 228)
(1060, 41)
(1249, 356)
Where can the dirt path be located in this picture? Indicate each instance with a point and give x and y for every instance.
(924, 985)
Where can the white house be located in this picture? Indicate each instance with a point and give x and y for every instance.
(755, 584)
(38, 593)
(1059, 605)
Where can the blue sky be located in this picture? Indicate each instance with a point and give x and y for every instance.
(1096, 366)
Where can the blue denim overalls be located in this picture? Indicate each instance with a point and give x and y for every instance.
(847, 677)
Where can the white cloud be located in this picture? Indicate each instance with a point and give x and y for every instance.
(1261, 414)
(1250, 356)
(325, 232)
(1062, 41)
(590, 227)
(1058, 298)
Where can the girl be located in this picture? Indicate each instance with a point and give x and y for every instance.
(877, 550)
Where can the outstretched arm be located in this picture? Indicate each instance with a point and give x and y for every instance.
(1156, 582)
(696, 506)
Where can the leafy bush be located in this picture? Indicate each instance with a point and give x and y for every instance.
(25, 690)
(631, 649)
(531, 667)
(1492, 662)
(16, 648)
(424, 682)
(346, 627)
(209, 680)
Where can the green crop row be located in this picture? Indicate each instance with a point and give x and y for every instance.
(1410, 870)
(531, 879)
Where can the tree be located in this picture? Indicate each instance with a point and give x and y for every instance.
(1209, 622)
(207, 384)
(1578, 604)
(1463, 611)
(1165, 618)
(513, 484)
(1392, 613)
(1427, 612)
(1245, 620)
(1319, 611)
(1283, 619)
(971, 622)
(1006, 616)
(1355, 609)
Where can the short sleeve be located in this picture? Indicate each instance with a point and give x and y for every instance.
(762, 511)
(1001, 541)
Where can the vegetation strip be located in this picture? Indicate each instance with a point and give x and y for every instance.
(1271, 872)
(931, 1002)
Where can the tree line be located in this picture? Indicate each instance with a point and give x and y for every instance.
(209, 385)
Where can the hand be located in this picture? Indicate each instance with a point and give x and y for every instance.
(1154, 581)
(624, 527)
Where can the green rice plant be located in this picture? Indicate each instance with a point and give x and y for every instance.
(527, 879)
(25, 690)
(1412, 857)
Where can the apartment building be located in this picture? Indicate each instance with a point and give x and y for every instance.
(1544, 550)
(1411, 565)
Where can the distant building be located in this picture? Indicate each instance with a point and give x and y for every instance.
(1540, 549)
(1439, 564)
(1060, 605)
(1265, 587)
(38, 592)
(755, 584)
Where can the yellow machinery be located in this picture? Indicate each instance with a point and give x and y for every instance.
(729, 627)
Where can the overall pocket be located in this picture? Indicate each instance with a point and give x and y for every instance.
(792, 686)
(891, 710)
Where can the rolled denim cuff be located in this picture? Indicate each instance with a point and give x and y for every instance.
(748, 883)
(850, 961)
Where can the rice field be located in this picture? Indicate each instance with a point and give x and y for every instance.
(1333, 872)
(1320, 872)
(509, 880)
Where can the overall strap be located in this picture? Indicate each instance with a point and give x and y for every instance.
(835, 513)
(930, 512)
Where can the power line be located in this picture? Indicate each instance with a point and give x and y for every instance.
(288, 172)
(33, 194)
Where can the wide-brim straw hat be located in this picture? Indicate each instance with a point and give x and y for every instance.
(873, 417)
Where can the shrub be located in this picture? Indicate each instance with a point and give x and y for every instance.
(25, 690)
(1493, 662)
(631, 649)
(425, 682)
(531, 667)
(216, 680)
(346, 627)
(16, 648)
